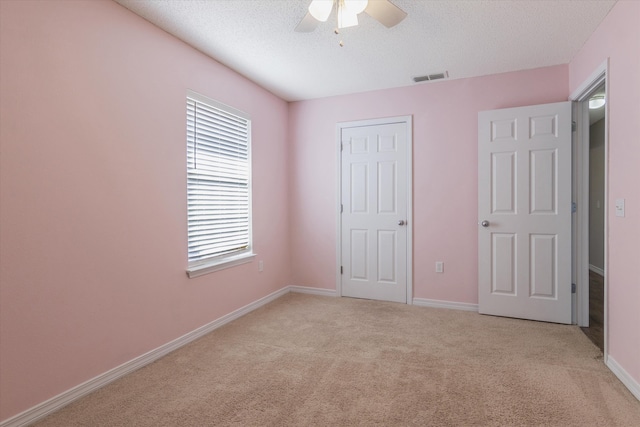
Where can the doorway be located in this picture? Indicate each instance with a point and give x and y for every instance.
(374, 222)
(590, 206)
(597, 126)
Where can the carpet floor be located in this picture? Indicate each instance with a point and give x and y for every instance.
(306, 360)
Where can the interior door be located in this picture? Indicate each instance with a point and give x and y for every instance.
(524, 212)
(374, 219)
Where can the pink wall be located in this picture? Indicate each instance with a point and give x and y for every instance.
(93, 194)
(445, 132)
(92, 187)
(618, 38)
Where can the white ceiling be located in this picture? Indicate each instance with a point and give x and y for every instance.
(467, 38)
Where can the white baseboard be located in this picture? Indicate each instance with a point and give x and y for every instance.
(434, 303)
(313, 291)
(624, 377)
(45, 408)
(597, 270)
(55, 403)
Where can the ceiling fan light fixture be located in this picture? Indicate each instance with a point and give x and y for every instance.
(596, 102)
(355, 6)
(321, 9)
(346, 18)
(347, 12)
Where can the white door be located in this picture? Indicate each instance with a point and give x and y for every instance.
(524, 212)
(375, 190)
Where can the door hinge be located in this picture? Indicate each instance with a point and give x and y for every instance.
(574, 126)
(341, 270)
(573, 288)
(341, 208)
(574, 207)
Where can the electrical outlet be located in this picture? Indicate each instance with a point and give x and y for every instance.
(439, 267)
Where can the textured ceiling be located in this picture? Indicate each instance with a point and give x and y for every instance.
(467, 38)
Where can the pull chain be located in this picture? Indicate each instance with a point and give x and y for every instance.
(337, 32)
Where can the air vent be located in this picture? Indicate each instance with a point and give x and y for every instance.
(430, 77)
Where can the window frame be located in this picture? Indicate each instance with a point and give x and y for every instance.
(236, 257)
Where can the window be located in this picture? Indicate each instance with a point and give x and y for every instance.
(218, 186)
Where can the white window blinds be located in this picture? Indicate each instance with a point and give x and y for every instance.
(218, 173)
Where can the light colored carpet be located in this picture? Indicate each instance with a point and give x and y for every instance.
(307, 360)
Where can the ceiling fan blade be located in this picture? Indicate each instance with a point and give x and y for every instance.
(385, 12)
(308, 24)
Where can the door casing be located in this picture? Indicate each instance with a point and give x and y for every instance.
(581, 197)
(408, 121)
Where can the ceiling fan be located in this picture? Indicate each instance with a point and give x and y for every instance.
(347, 12)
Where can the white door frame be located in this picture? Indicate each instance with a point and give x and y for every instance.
(408, 121)
(581, 196)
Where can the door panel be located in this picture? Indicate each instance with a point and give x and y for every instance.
(542, 182)
(359, 255)
(503, 182)
(387, 185)
(503, 279)
(359, 190)
(387, 259)
(543, 281)
(374, 211)
(524, 195)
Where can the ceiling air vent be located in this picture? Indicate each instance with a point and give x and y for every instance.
(428, 78)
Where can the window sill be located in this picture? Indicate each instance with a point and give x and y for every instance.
(219, 264)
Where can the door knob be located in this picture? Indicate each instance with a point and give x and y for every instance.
(484, 223)
(401, 222)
